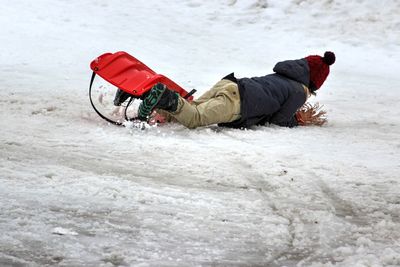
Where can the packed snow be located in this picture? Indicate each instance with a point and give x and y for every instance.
(77, 191)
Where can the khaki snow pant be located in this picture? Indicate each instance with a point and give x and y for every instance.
(218, 105)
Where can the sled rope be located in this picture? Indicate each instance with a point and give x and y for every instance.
(94, 107)
(126, 110)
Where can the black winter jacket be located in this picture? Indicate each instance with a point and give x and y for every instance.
(273, 98)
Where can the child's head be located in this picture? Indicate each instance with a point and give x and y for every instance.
(319, 69)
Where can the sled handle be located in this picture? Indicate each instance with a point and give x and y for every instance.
(190, 94)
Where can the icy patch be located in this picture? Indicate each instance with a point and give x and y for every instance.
(63, 231)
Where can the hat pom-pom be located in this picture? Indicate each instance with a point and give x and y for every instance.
(329, 58)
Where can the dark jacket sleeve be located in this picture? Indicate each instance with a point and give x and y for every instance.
(285, 116)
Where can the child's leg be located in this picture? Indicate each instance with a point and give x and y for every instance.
(220, 104)
(212, 92)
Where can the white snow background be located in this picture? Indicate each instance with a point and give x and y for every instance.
(76, 191)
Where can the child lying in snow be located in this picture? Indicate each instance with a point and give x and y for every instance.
(277, 98)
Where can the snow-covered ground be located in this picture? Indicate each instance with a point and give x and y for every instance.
(75, 191)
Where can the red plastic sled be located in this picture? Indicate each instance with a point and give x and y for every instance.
(130, 75)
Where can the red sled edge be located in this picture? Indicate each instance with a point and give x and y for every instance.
(131, 75)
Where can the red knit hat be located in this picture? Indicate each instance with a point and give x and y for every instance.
(319, 68)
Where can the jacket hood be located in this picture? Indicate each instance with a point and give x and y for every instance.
(297, 70)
